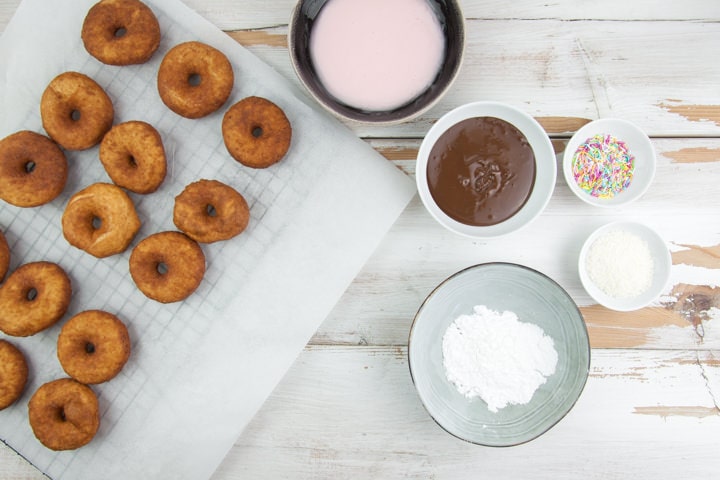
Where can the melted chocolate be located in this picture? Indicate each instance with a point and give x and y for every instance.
(481, 171)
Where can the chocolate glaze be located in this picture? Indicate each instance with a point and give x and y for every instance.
(481, 171)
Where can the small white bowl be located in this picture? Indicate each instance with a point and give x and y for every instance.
(661, 271)
(545, 167)
(638, 145)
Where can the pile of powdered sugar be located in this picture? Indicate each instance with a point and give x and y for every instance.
(496, 357)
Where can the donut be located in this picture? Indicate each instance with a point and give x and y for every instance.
(134, 157)
(33, 169)
(100, 219)
(13, 373)
(4, 256)
(167, 266)
(256, 132)
(64, 414)
(76, 112)
(93, 346)
(121, 32)
(209, 211)
(33, 298)
(195, 79)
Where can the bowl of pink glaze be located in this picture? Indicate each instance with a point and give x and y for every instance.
(374, 61)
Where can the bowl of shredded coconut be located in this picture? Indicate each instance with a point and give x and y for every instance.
(498, 354)
(624, 265)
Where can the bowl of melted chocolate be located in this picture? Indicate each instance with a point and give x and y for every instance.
(486, 169)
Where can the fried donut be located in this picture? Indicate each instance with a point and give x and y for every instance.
(76, 112)
(209, 211)
(33, 298)
(121, 32)
(13, 373)
(195, 79)
(256, 132)
(33, 169)
(167, 266)
(134, 157)
(101, 220)
(4, 256)
(64, 414)
(93, 346)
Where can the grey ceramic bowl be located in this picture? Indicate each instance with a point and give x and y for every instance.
(300, 29)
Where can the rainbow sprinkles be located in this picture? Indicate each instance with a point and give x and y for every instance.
(603, 166)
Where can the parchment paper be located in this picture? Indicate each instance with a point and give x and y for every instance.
(201, 368)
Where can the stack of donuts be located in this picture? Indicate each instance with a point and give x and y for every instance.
(194, 80)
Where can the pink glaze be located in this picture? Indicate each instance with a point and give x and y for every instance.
(376, 54)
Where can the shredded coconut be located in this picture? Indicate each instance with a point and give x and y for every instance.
(496, 357)
(620, 264)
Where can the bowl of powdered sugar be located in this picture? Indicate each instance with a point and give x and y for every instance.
(498, 353)
(624, 266)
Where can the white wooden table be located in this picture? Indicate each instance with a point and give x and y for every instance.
(651, 407)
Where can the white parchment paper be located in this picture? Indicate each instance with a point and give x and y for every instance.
(201, 368)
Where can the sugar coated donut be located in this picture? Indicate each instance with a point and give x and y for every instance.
(101, 220)
(256, 132)
(33, 298)
(209, 211)
(134, 157)
(93, 346)
(13, 373)
(64, 414)
(33, 169)
(167, 266)
(121, 32)
(76, 112)
(4, 256)
(195, 79)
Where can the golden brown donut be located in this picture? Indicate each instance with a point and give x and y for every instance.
(33, 298)
(256, 132)
(4, 256)
(64, 414)
(13, 373)
(167, 266)
(134, 157)
(33, 169)
(93, 346)
(195, 79)
(121, 32)
(76, 112)
(100, 219)
(209, 211)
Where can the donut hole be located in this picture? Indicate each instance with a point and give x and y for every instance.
(31, 294)
(162, 268)
(61, 414)
(210, 210)
(257, 131)
(89, 348)
(120, 32)
(29, 166)
(75, 115)
(96, 222)
(194, 79)
(131, 161)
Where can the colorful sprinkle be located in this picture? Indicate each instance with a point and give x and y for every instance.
(603, 166)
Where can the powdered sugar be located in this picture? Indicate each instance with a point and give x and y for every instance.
(496, 357)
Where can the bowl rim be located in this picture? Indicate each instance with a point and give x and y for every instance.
(661, 277)
(545, 164)
(631, 134)
(366, 118)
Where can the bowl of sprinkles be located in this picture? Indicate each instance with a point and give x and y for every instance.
(609, 162)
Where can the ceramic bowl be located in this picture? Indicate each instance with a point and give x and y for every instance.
(545, 163)
(534, 298)
(300, 29)
(661, 270)
(638, 145)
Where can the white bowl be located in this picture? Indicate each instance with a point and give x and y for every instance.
(661, 271)
(638, 145)
(545, 163)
